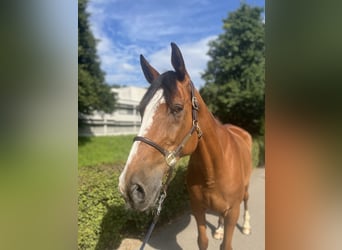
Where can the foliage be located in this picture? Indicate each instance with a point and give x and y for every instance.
(258, 151)
(93, 92)
(96, 193)
(261, 141)
(100, 150)
(235, 76)
(103, 220)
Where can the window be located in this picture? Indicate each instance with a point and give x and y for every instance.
(125, 109)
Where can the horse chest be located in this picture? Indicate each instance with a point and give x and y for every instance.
(218, 194)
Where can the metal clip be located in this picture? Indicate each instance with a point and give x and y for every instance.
(160, 202)
(199, 131)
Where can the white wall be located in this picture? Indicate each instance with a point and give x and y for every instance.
(124, 120)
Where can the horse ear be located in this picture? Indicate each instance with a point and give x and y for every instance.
(178, 62)
(150, 73)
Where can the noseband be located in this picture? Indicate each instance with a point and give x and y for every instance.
(171, 156)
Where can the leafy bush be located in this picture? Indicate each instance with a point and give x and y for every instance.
(103, 220)
(258, 151)
(261, 141)
(255, 153)
(96, 195)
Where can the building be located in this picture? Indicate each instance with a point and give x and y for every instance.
(124, 120)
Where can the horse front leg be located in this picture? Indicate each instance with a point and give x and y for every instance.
(202, 239)
(230, 220)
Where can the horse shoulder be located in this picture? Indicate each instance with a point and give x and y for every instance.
(240, 133)
(243, 141)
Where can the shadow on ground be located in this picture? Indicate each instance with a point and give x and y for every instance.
(110, 236)
(178, 226)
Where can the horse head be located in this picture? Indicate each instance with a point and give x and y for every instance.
(169, 120)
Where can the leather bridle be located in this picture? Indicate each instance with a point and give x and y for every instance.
(171, 156)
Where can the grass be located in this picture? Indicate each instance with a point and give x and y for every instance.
(103, 150)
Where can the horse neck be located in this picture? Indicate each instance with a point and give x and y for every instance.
(207, 153)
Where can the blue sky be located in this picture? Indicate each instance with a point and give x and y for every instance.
(127, 28)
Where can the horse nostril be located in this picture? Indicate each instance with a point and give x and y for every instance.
(137, 193)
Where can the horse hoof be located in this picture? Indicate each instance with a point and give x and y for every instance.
(246, 231)
(218, 234)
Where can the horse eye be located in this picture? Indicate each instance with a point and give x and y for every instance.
(177, 108)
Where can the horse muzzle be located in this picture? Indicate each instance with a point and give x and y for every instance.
(141, 195)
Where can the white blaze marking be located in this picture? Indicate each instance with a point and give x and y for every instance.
(146, 124)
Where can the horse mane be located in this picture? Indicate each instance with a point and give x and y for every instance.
(167, 82)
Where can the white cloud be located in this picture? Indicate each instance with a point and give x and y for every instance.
(123, 35)
(117, 61)
(149, 26)
(128, 67)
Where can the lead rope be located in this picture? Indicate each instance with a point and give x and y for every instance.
(158, 210)
(154, 221)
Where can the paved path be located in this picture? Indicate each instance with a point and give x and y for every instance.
(182, 233)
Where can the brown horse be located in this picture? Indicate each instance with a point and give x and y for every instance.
(176, 122)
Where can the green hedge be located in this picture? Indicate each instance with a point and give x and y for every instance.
(103, 220)
(258, 152)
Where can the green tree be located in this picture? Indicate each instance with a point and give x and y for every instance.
(93, 92)
(235, 75)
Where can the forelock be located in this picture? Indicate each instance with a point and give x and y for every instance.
(166, 81)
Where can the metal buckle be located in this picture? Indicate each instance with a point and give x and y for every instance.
(171, 159)
(195, 103)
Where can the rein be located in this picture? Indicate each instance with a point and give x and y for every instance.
(171, 158)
